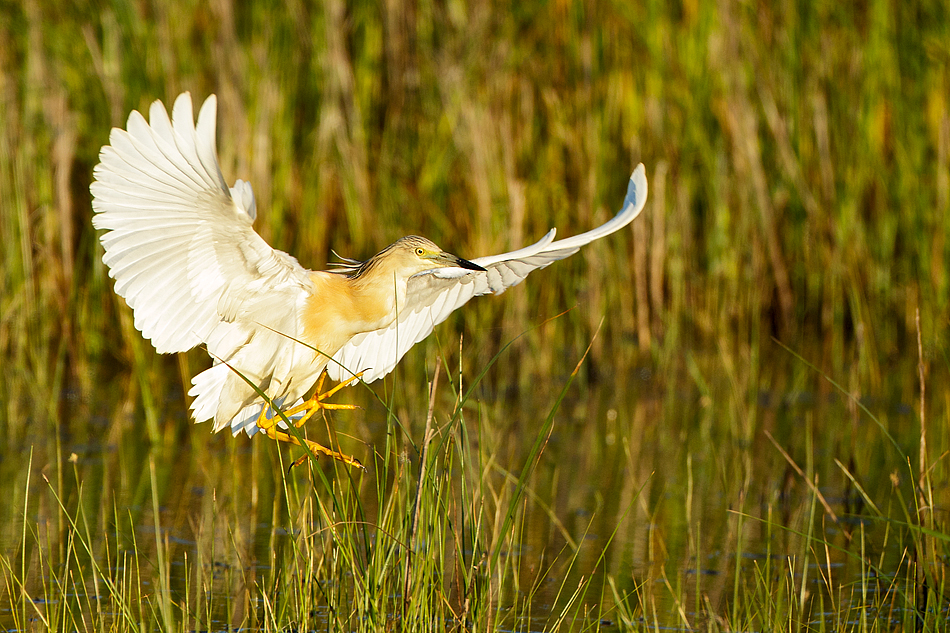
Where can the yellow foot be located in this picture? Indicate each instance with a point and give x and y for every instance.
(316, 401)
(308, 408)
(319, 449)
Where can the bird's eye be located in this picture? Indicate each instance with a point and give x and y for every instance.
(420, 251)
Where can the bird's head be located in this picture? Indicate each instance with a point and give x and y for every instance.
(401, 260)
(413, 254)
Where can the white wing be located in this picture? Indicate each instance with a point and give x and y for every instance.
(433, 295)
(179, 243)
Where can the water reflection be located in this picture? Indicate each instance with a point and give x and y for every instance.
(667, 491)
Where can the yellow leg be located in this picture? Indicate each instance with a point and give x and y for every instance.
(316, 402)
(280, 436)
(311, 406)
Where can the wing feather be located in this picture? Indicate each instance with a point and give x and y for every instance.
(178, 244)
(433, 295)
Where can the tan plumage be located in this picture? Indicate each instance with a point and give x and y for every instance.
(180, 244)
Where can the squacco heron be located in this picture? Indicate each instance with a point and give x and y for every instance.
(180, 245)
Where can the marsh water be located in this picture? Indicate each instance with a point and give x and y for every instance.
(670, 488)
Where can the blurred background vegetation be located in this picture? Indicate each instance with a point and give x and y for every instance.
(797, 157)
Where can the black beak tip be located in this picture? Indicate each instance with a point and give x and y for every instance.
(464, 263)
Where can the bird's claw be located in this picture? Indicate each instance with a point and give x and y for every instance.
(308, 408)
(319, 449)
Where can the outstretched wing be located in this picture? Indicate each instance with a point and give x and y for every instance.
(433, 295)
(180, 243)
